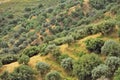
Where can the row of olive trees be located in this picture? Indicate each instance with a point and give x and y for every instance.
(109, 47)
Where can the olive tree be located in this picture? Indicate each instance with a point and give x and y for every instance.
(98, 4)
(24, 59)
(113, 63)
(111, 47)
(5, 76)
(99, 71)
(67, 64)
(23, 72)
(94, 45)
(107, 27)
(53, 75)
(82, 68)
(42, 67)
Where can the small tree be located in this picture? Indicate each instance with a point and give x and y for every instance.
(53, 75)
(99, 71)
(24, 59)
(84, 66)
(42, 67)
(31, 51)
(5, 76)
(98, 4)
(113, 63)
(67, 64)
(94, 44)
(107, 27)
(23, 72)
(55, 53)
(3, 44)
(69, 39)
(111, 48)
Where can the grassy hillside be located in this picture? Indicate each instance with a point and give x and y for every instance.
(76, 38)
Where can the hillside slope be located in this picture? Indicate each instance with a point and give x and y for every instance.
(72, 37)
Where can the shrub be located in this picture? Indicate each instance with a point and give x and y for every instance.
(107, 27)
(99, 71)
(8, 59)
(69, 39)
(53, 75)
(15, 50)
(82, 68)
(78, 13)
(22, 39)
(26, 15)
(113, 63)
(5, 76)
(55, 53)
(34, 37)
(111, 48)
(62, 56)
(23, 72)
(67, 64)
(3, 44)
(21, 30)
(11, 16)
(27, 9)
(11, 41)
(98, 4)
(43, 68)
(31, 51)
(50, 10)
(49, 48)
(94, 45)
(16, 35)
(40, 5)
(117, 75)
(6, 50)
(17, 44)
(24, 59)
(43, 49)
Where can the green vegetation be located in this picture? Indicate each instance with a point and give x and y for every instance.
(67, 64)
(94, 45)
(59, 39)
(23, 72)
(53, 75)
(99, 71)
(24, 59)
(83, 67)
(111, 48)
(117, 75)
(113, 63)
(43, 68)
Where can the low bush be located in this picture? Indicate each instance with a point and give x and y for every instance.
(9, 59)
(94, 45)
(67, 64)
(99, 71)
(53, 75)
(31, 51)
(111, 47)
(24, 59)
(43, 68)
